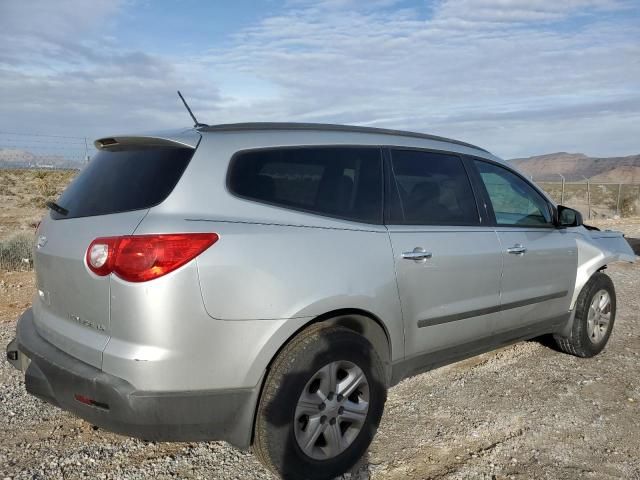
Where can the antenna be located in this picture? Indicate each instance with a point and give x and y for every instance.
(195, 120)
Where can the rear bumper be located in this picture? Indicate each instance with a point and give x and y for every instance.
(57, 378)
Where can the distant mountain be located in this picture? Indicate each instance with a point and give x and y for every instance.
(577, 166)
(17, 158)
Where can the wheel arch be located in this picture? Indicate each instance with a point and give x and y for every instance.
(364, 323)
(585, 273)
(592, 258)
(572, 338)
(360, 321)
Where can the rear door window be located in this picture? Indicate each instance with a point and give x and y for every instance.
(342, 182)
(120, 181)
(433, 189)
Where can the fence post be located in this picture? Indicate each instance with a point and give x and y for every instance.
(562, 191)
(589, 199)
(618, 202)
(86, 150)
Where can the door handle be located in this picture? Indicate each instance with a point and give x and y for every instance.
(517, 249)
(418, 254)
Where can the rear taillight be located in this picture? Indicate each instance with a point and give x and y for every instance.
(138, 258)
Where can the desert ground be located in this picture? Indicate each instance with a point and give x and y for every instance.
(524, 411)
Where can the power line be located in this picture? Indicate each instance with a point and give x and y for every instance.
(39, 135)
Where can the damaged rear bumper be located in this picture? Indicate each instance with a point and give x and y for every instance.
(115, 405)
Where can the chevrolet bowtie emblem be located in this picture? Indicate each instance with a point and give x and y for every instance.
(42, 241)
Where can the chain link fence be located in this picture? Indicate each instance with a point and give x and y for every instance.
(33, 150)
(596, 200)
(33, 168)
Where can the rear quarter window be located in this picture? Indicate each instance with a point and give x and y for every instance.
(341, 182)
(121, 181)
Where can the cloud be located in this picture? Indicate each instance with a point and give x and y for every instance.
(57, 75)
(522, 11)
(415, 70)
(517, 77)
(41, 32)
(327, 5)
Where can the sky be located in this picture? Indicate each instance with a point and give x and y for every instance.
(518, 77)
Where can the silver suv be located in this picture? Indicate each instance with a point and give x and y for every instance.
(265, 284)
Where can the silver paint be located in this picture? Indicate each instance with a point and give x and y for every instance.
(218, 321)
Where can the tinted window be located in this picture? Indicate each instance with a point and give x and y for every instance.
(337, 182)
(514, 201)
(433, 188)
(124, 180)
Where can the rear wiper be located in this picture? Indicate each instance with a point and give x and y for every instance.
(57, 208)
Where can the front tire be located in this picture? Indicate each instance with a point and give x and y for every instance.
(321, 404)
(593, 322)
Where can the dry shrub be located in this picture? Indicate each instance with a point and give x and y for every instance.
(16, 252)
(629, 207)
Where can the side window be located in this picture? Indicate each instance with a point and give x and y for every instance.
(343, 182)
(514, 201)
(434, 189)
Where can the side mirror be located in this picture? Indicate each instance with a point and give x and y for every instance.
(568, 217)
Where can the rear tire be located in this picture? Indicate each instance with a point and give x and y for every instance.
(594, 319)
(292, 438)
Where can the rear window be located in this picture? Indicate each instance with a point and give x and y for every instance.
(120, 181)
(342, 182)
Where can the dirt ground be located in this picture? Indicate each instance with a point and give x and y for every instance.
(525, 411)
(23, 194)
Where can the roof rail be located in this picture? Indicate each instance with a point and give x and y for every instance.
(328, 127)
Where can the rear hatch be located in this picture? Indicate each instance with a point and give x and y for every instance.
(110, 197)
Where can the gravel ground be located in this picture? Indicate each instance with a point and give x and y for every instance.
(524, 411)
